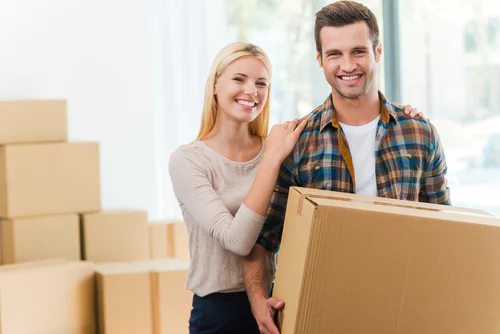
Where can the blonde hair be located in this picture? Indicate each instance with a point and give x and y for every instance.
(260, 125)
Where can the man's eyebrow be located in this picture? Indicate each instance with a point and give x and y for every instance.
(332, 50)
(360, 47)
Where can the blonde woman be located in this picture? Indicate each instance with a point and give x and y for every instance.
(224, 181)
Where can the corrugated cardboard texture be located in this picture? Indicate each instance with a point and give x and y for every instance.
(48, 299)
(292, 265)
(49, 179)
(158, 240)
(387, 269)
(32, 121)
(116, 236)
(31, 239)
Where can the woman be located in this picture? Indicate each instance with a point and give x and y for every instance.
(224, 181)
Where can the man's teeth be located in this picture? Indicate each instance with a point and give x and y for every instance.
(246, 103)
(352, 77)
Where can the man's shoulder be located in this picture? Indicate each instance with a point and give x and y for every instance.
(315, 116)
(416, 132)
(315, 120)
(415, 124)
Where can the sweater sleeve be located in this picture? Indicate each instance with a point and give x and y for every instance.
(193, 189)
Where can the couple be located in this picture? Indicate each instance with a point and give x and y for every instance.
(232, 182)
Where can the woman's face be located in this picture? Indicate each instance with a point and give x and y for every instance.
(242, 89)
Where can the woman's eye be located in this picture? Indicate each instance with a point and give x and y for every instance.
(238, 79)
(262, 84)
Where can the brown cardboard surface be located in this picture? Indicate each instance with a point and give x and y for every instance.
(49, 179)
(124, 301)
(3, 184)
(31, 239)
(48, 299)
(354, 266)
(177, 240)
(120, 235)
(143, 297)
(30, 264)
(174, 302)
(318, 195)
(158, 248)
(32, 121)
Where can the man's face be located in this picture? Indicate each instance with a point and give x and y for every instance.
(348, 60)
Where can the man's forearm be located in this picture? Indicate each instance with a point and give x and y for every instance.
(258, 268)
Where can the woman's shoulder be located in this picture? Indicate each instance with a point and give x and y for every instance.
(185, 150)
(187, 155)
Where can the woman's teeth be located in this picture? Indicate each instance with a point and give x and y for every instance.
(246, 103)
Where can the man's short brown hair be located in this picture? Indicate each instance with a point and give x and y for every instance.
(342, 13)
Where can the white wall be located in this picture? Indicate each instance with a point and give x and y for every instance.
(97, 54)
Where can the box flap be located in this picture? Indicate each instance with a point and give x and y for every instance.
(381, 204)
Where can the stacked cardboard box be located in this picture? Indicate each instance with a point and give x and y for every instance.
(356, 264)
(177, 237)
(44, 182)
(168, 239)
(50, 208)
(33, 121)
(30, 239)
(47, 297)
(120, 235)
(159, 247)
(143, 297)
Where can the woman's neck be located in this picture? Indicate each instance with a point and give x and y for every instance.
(233, 140)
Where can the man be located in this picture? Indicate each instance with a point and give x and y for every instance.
(356, 142)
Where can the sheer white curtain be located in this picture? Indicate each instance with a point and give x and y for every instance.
(188, 34)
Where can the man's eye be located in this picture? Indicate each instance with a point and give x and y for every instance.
(357, 52)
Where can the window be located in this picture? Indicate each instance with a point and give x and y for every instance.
(450, 69)
(284, 30)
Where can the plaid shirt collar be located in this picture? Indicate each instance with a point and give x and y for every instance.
(329, 115)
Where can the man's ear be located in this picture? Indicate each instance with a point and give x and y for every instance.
(378, 52)
(318, 58)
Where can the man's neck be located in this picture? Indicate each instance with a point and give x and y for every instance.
(357, 112)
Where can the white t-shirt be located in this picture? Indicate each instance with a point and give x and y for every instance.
(361, 141)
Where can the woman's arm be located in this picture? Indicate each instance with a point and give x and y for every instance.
(193, 188)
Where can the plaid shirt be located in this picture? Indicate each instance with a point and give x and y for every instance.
(409, 163)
